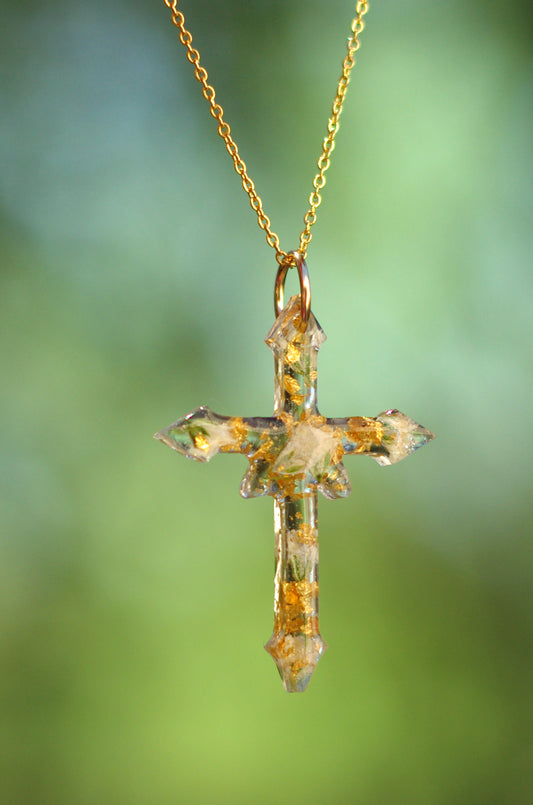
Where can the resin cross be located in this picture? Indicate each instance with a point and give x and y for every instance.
(293, 455)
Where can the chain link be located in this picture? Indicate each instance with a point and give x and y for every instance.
(224, 130)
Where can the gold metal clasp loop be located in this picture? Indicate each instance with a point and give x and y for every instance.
(295, 259)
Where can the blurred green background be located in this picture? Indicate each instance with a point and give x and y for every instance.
(136, 587)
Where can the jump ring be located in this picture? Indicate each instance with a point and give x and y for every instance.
(296, 259)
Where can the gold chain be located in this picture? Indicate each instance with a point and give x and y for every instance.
(224, 130)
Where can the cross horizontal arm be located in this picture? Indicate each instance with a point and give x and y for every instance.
(286, 457)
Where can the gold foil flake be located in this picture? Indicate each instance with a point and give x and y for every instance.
(298, 665)
(263, 452)
(366, 432)
(297, 613)
(200, 442)
(306, 534)
(239, 429)
(299, 625)
(287, 482)
(293, 353)
(301, 594)
(288, 421)
(314, 420)
(309, 628)
(338, 450)
(291, 385)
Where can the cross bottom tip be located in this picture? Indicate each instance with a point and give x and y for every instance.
(296, 657)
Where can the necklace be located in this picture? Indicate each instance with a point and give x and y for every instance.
(297, 452)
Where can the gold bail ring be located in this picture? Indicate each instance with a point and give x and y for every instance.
(294, 259)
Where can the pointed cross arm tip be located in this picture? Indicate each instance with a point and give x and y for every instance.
(202, 434)
(388, 438)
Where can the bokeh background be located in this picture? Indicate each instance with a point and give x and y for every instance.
(136, 587)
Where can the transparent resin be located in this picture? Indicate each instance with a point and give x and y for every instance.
(292, 456)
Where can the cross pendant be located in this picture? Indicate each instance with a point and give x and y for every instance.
(292, 456)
